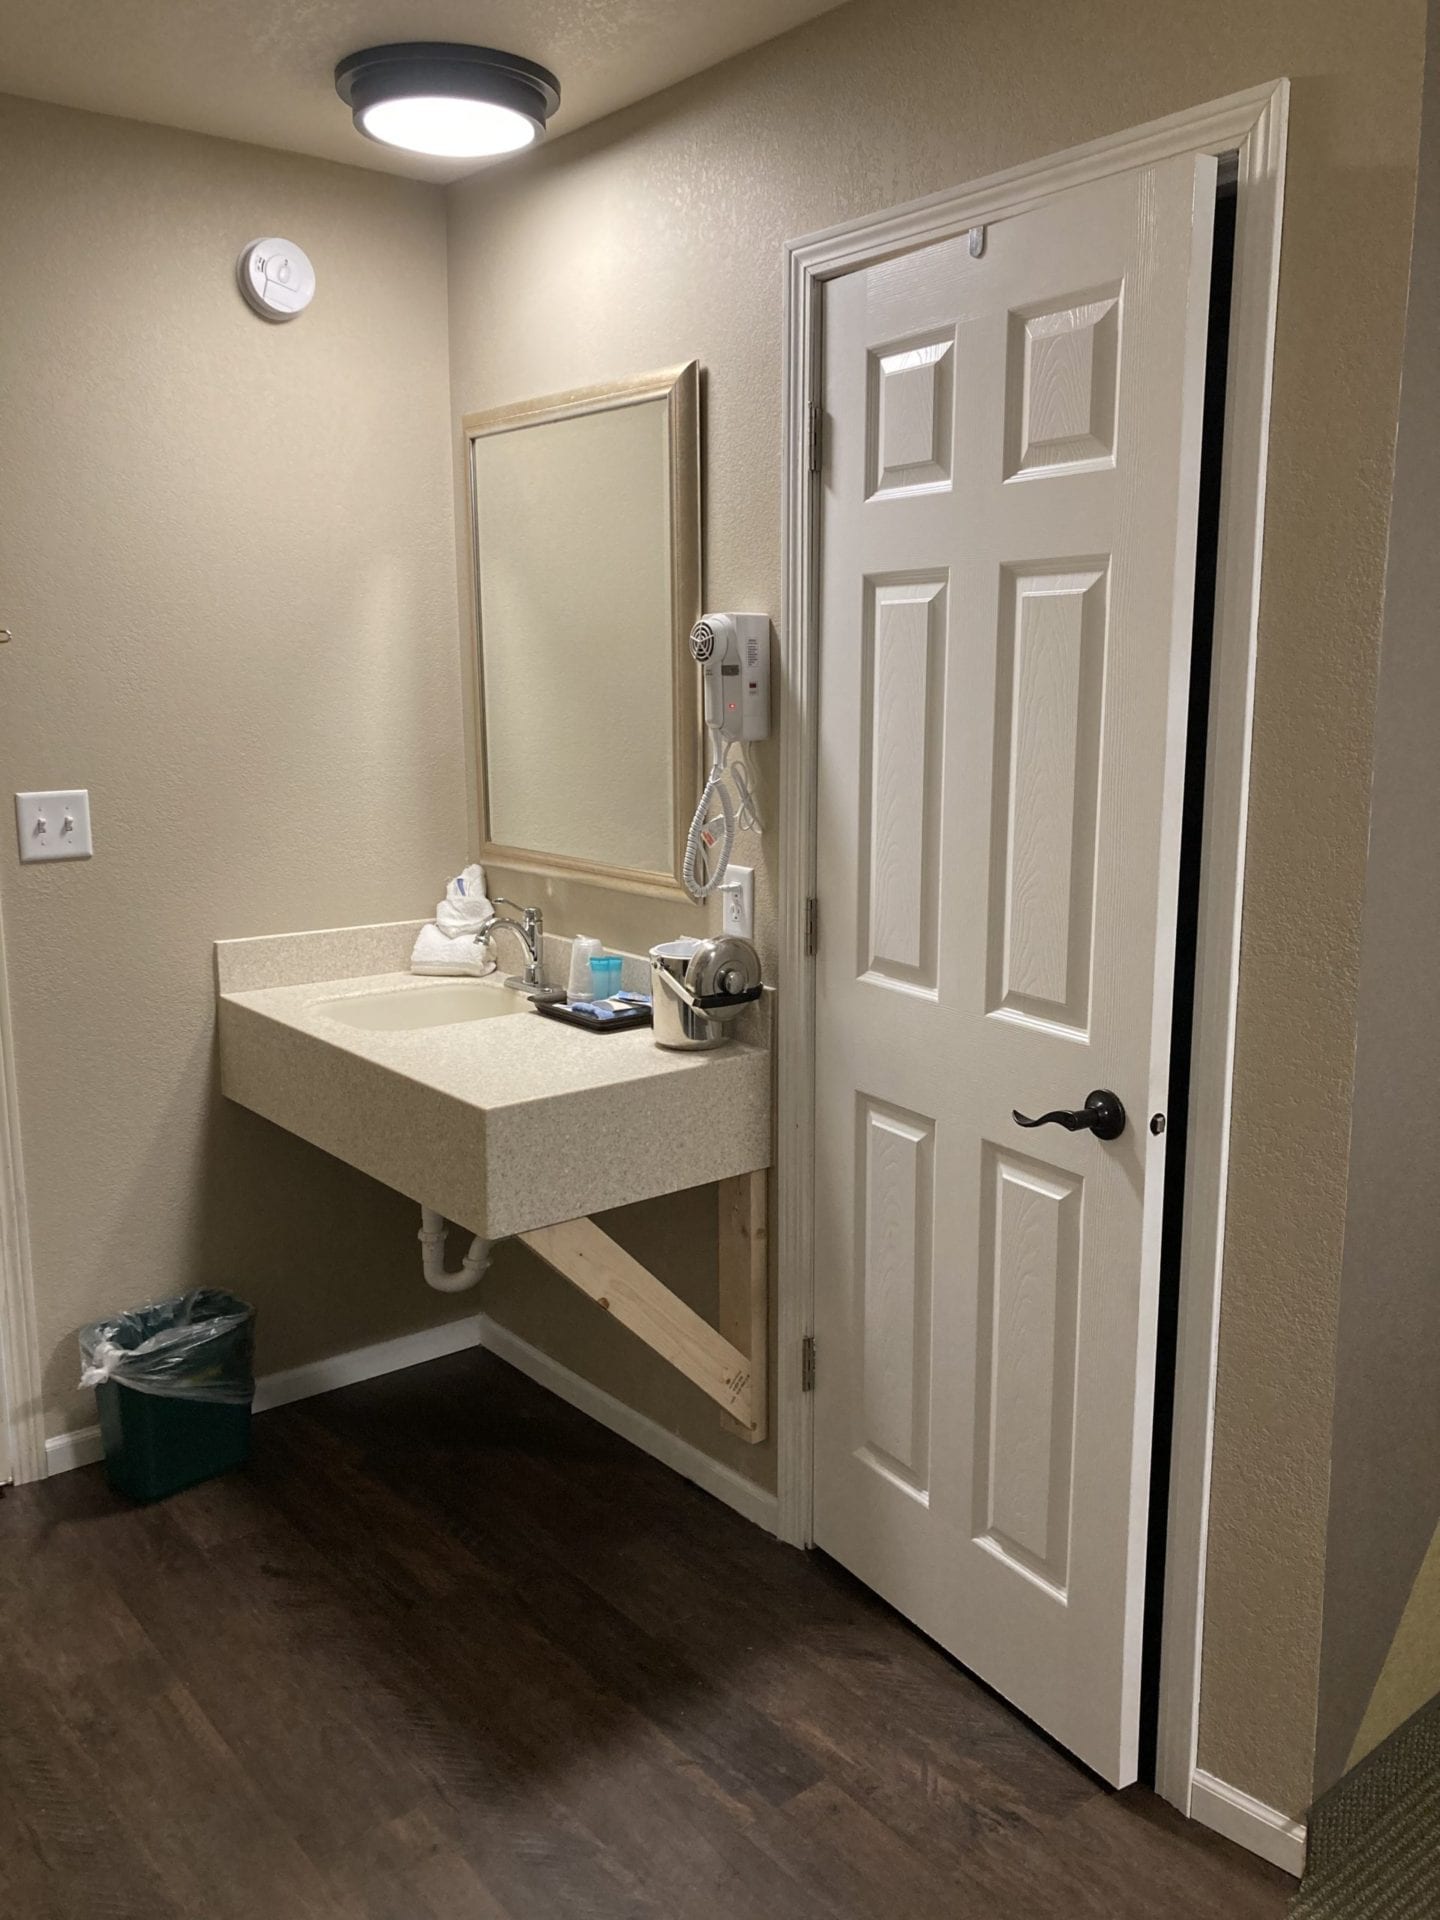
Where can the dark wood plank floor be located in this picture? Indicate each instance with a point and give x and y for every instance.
(449, 1651)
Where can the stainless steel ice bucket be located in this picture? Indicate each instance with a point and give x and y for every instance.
(698, 987)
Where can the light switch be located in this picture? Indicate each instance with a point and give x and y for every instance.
(53, 826)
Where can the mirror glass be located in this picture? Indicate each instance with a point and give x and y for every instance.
(584, 513)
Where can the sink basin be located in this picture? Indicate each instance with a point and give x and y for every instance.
(446, 1004)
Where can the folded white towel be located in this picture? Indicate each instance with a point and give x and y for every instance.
(437, 952)
(465, 908)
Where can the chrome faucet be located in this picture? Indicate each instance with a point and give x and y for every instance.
(530, 933)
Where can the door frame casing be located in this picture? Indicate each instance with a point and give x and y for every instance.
(1253, 125)
(22, 1421)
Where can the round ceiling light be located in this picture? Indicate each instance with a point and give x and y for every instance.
(454, 102)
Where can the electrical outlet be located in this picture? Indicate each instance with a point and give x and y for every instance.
(737, 892)
(53, 826)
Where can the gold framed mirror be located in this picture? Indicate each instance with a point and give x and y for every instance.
(584, 525)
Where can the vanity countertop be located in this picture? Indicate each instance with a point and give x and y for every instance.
(502, 1125)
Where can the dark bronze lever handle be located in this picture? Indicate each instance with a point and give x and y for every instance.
(1102, 1115)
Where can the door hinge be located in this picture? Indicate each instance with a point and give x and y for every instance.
(807, 1364)
(812, 926)
(815, 437)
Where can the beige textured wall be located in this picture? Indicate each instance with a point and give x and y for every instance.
(656, 236)
(225, 551)
(1385, 1482)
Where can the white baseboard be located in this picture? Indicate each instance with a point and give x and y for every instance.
(1248, 1822)
(712, 1476)
(82, 1447)
(366, 1363)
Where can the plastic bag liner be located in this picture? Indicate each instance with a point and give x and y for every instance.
(200, 1346)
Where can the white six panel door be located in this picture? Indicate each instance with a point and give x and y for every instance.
(1007, 575)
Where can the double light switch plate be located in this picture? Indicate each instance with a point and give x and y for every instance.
(53, 826)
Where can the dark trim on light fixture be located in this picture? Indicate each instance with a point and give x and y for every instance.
(430, 68)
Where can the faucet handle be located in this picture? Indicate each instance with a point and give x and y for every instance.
(532, 914)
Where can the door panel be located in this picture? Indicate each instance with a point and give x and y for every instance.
(1025, 1364)
(1007, 568)
(901, 744)
(894, 1237)
(1050, 673)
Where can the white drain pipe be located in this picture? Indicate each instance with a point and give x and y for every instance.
(432, 1245)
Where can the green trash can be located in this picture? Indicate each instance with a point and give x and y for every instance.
(173, 1385)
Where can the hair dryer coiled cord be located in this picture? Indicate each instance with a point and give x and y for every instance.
(711, 839)
(712, 836)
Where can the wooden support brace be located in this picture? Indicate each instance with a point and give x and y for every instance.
(744, 1244)
(728, 1364)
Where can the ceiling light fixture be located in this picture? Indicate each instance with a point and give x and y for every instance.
(454, 102)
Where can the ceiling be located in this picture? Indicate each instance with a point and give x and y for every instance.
(261, 70)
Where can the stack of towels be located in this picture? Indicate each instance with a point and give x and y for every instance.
(448, 943)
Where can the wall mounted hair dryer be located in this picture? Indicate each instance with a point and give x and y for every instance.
(732, 651)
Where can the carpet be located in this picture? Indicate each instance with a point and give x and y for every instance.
(1374, 1839)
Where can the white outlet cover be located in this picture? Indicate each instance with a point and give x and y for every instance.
(53, 826)
(737, 914)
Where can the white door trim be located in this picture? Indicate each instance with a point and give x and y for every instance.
(21, 1411)
(1253, 124)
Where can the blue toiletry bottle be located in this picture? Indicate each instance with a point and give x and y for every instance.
(605, 975)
